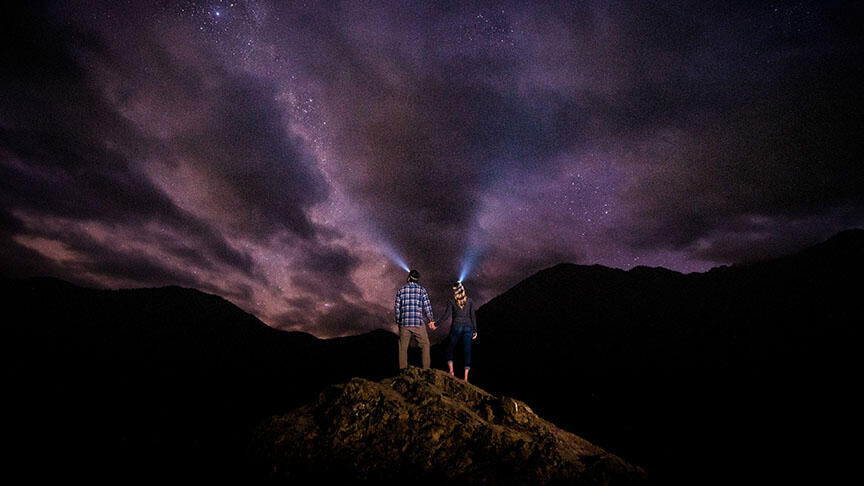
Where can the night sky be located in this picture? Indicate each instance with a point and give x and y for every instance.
(288, 155)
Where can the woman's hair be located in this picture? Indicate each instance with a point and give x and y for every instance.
(459, 294)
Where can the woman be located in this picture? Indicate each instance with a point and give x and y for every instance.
(464, 326)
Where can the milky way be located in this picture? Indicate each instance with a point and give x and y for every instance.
(290, 155)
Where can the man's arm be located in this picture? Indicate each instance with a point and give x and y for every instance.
(397, 306)
(427, 308)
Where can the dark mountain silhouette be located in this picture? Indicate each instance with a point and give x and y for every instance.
(742, 374)
(155, 382)
(426, 427)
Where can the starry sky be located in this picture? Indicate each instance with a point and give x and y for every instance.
(291, 156)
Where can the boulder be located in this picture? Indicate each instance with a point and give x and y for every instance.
(426, 426)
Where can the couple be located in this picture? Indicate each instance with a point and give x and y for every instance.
(412, 305)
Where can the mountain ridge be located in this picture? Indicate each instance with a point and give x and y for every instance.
(685, 346)
(143, 374)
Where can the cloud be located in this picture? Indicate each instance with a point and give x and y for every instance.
(278, 153)
(420, 130)
(326, 271)
(149, 162)
(751, 121)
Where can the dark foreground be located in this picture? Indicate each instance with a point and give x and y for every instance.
(741, 375)
(425, 426)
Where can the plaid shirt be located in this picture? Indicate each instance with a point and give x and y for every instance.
(412, 303)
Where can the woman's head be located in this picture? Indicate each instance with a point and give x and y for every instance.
(459, 293)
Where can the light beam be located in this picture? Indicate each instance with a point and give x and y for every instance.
(395, 258)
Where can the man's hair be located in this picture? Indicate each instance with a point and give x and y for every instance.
(413, 276)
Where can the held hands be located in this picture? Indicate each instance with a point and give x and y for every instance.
(432, 325)
(474, 336)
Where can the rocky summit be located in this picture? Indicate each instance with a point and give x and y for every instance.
(426, 426)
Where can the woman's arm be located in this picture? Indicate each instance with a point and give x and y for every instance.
(473, 316)
(446, 314)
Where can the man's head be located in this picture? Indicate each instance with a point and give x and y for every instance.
(413, 276)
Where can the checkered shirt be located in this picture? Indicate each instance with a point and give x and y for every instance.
(412, 304)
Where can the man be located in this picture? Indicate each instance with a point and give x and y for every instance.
(411, 306)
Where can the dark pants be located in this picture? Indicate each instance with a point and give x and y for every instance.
(464, 334)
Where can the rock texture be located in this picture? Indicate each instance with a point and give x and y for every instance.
(425, 426)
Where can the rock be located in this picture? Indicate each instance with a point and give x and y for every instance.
(426, 426)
